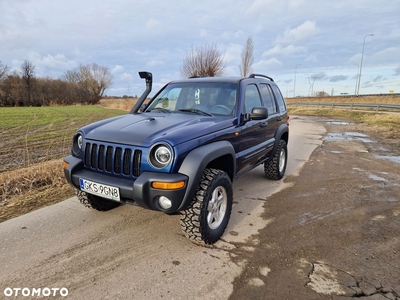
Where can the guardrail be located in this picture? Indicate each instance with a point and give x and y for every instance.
(351, 105)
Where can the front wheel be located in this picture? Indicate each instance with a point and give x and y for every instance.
(206, 218)
(275, 167)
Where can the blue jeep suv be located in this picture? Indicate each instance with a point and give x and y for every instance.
(181, 151)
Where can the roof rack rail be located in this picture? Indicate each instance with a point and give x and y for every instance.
(260, 75)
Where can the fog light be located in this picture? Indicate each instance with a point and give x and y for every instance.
(164, 202)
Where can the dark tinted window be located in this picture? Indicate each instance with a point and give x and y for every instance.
(268, 98)
(279, 99)
(252, 98)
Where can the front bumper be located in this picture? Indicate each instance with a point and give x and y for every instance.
(138, 192)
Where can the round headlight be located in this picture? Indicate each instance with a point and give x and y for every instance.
(79, 141)
(160, 156)
(77, 144)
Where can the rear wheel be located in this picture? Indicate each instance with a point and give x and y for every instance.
(95, 202)
(206, 218)
(275, 167)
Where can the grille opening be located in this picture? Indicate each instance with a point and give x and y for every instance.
(109, 158)
(94, 155)
(101, 157)
(117, 160)
(113, 159)
(127, 162)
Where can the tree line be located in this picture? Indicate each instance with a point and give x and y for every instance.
(86, 83)
(83, 85)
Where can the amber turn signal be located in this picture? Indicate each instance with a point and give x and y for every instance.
(167, 185)
(65, 164)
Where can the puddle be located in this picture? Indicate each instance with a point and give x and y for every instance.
(395, 159)
(337, 123)
(376, 178)
(337, 152)
(347, 136)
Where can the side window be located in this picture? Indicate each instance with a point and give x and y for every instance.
(251, 98)
(269, 100)
(167, 99)
(279, 99)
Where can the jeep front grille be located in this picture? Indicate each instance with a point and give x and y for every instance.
(113, 159)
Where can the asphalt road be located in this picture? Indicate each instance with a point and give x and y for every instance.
(132, 253)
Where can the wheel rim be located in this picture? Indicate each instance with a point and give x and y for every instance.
(282, 160)
(217, 207)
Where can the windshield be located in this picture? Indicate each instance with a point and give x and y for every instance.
(197, 97)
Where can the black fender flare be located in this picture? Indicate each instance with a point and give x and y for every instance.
(282, 130)
(196, 162)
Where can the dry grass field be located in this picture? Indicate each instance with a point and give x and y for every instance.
(385, 123)
(34, 141)
(384, 99)
(118, 103)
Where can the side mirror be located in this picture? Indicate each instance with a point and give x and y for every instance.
(257, 113)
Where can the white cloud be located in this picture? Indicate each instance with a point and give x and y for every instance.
(263, 65)
(304, 31)
(203, 33)
(295, 4)
(233, 53)
(155, 62)
(260, 5)
(395, 33)
(232, 34)
(386, 55)
(152, 25)
(117, 69)
(312, 59)
(126, 77)
(289, 50)
(397, 71)
(54, 64)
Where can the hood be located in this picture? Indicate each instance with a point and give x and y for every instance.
(147, 128)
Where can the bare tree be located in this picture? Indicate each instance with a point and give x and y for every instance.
(28, 75)
(94, 79)
(102, 79)
(3, 70)
(205, 60)
(246, 66)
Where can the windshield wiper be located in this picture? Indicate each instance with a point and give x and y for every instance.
(196, 111)
(160, 109)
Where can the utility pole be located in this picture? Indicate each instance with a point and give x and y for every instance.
(362, 55)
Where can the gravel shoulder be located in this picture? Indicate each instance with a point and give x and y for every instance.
(335, 234)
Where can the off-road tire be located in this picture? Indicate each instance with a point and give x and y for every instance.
(197, 220)
(95, 202)
(275, 168)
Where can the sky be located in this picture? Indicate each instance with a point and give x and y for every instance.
(307, 46)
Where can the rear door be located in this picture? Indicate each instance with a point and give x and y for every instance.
(274, 118)
(254, 133)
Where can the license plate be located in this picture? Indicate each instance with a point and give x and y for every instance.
(102, 190)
